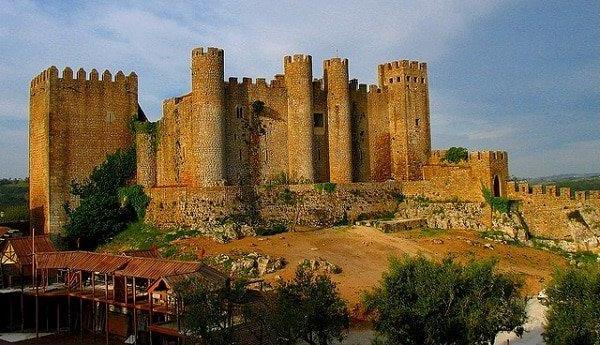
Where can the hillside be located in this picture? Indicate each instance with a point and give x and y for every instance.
(363, 252)
(14, 200)
(576, 182)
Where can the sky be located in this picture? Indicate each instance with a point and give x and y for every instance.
(519, 76)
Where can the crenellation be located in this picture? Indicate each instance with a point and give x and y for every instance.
(120, 77)
(67, 73)
(94, 76)
(106, 76)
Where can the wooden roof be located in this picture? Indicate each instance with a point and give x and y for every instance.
(206, 275)
(85, 261)
(21, 247)
(148, 268)
(151, 268)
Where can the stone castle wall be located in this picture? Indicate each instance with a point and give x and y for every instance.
(75, 122)
(312, 130)
(558, 214)
(301, 204)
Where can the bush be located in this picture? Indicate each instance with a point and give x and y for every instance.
(456, 154)
(288, 197)
(207, 314)
(328, 187)
(423, 302)
(134, 197)
(497, 203)
(100, 215)
(308, 308)
(574, 307)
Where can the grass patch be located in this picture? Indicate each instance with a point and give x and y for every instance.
(141, 236)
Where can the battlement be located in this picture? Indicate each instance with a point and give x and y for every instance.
(375, 89)
(403, 64)
(353, 85)
(437, 156)
(297, 58)
(249, 82)
(210, 51)
(335, 61)
(523, 189)
(67, 75)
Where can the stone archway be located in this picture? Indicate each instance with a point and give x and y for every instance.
(496, 186)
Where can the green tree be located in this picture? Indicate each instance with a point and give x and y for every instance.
(423, 302)
(100, 214)
(456, 154)
(308, 308)
(574, 307)
(206, 311)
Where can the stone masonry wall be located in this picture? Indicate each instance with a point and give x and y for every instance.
(558, 214)
(305, 204)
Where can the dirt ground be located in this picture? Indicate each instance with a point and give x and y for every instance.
(363, 253)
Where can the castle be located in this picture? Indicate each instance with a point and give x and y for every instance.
(226, 134)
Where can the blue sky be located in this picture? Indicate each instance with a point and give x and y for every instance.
(518, 76)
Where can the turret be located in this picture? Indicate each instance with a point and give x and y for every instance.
(298, 82)
(335, 75)
(207, 118)
(408, 109)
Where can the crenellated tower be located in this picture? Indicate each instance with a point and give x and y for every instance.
(335, 75)
(408, 111)
(207, 151)
(298, 83)
(75, 122)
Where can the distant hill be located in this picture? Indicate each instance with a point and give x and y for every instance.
(14, 196)
(577, 182)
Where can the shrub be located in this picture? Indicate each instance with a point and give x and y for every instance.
(574, 306)
(399, 197)
(497, 203)
(288, 197)
(423, 302)
(328, 187)
(134, 197)
(308, 308)
(456, 154)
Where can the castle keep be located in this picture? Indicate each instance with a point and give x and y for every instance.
(224, 134)
(75, 121)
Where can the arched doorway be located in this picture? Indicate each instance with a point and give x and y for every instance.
(496, 186)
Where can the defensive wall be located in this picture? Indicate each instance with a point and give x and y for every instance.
(557, 213)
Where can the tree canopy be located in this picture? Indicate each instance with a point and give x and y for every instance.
(103, 211)
(574, 307)
(423, 302)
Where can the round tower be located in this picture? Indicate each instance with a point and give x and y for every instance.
(335, 75)
(298, 82)
(207, 117)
